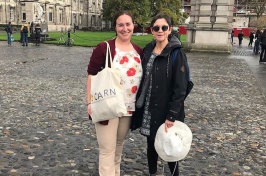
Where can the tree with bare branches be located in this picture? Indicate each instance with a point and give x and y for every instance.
(259, 7)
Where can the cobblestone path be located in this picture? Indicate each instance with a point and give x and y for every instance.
(44, 129)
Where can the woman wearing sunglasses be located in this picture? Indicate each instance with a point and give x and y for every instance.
(163, 87)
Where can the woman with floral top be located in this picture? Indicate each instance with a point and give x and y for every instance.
(126, 58)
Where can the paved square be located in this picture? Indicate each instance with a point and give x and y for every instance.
(45, 131)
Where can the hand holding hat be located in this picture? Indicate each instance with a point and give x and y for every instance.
(175, 144)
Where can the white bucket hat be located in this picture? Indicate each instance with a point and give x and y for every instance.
(175, 144)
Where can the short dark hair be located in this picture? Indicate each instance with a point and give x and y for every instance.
(123, 12)
(161, 16)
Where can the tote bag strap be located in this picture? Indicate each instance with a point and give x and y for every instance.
(108, 55)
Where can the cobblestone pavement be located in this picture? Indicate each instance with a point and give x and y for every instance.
(252, 60)
(44, 129)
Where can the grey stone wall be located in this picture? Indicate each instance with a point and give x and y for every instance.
(210, 25)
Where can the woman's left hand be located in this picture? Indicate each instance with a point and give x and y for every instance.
(168, 124)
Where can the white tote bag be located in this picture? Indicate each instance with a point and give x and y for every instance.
(107, 100)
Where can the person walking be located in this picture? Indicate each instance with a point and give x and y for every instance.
(31, 27)
(232, 36)
(256, 49)
(263, 47)
(8, 30)
(240, 37)
(38, 31)
(160, 99)
(24, 31)
(127, 59)
(251, 38)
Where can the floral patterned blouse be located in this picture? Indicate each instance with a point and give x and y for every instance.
(129, 64)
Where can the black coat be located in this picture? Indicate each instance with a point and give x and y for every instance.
(38, 31)
(240, 36)
(168, 87)
(263, 40)
(8, 29)
(251, 36)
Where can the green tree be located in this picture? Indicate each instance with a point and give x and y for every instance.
(144, 10)
(169, 7)
(139, 9)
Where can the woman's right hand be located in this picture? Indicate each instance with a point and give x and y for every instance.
(168, 124)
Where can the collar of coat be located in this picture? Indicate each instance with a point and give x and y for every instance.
(174, 43)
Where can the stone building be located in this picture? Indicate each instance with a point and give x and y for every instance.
(59, 15)
(243, 10)
(210, 25)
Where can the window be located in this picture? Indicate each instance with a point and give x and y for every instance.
(23, 10)
(60, 15)
(51, 14)
(11, 14)
(23, 16)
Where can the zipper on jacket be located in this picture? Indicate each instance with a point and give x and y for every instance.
(167, 65)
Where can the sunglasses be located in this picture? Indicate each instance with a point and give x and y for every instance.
(157, 28)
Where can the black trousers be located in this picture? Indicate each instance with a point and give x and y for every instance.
(38, 40)
(240, 41)
(263, 53)
(250, 42)
(153, 158)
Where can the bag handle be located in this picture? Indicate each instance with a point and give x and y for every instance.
(108, 52)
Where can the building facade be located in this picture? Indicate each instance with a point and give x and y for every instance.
(59, 15)
(243, 11)
(210, 26)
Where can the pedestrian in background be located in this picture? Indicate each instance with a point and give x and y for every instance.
(256, 49)
(251, 38)
(38, 31)
(127, 59)
(232, 36)
(31, 27)
(163, 88)
(263, 47)
(175, 31)
(8, 30)
(240, 37)
(24, 31)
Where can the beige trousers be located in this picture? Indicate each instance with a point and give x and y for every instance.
(110, 139)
